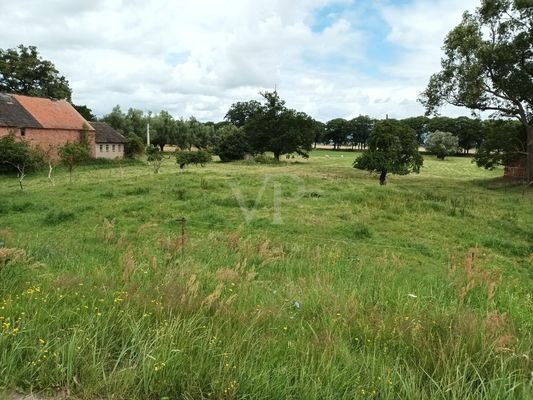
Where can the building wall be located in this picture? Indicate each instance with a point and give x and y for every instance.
(109, 150)
(53, 139)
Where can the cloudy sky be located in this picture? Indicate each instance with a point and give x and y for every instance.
(329, 58)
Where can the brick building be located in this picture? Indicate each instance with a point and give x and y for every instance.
(44, 123)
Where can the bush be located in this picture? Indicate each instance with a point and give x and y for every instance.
(183, 158)
(19, 157)
(442, 144)
(232, 144)
(134, 146)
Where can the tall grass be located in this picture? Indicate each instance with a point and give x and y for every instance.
(418, 290)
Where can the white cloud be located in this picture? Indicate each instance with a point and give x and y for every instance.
(196, 58)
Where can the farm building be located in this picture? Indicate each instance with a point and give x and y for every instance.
(109, 143)
(44, 123)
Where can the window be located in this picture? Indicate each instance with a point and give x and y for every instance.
(113, 148)
(22, 131)
(101, 148)
(107, 148)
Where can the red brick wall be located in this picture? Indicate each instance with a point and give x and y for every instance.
(54, 138)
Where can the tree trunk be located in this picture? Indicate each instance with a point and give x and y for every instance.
(276, 155)
(383, 178)
(529, 165)
(50, 169)
(20, 177)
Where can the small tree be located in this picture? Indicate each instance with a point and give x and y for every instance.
(155, 158)
(17, 155)
(392, 148)
(72, 154)
(134, 146)
(232, 144)
(442, 144)
(201, 157)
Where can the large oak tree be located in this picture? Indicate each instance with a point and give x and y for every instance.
(488, 66)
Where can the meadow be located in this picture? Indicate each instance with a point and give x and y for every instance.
(298, 280)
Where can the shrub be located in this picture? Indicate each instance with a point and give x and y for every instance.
(134, 146)
(442, 144)
(232, 144)
(72, 154)
(18, 156)
(183, 158)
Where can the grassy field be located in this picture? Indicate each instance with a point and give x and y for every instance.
(303, 280)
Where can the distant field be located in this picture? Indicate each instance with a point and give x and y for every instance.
(303, 280)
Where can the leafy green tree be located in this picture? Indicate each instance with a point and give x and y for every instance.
(280, 130)
(337, 132)
(392, 148)
(240, 113)
(117, 119)
(17, 155)
(319, 131)
(504, 143)
(469, 132)
(361, 129)
(85, 112)
(155, 157)
(73, 154)
(202, 157)
(232, 144)
(135, 122)
(488, 65)
(442, 144)
(164, 128)
(420, 125)
(134, 146)
(23, 71)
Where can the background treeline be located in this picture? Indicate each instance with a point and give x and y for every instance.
(254, 128)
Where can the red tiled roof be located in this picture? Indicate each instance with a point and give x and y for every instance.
(53, 114)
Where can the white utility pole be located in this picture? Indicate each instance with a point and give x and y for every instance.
(148, 129)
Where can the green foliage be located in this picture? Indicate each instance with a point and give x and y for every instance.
(85, 112)
(134, 146)
(420, 126)
(18, 156)
(201, 157)
(392, 148)
(504, 144)
(241, 113)
(337, 132)
(361, 128)
(163, 129)
(442, 144)
(73, 154)
(280, 130)
(232, 144)
(23, 71)
(155, 157)
(488, 65)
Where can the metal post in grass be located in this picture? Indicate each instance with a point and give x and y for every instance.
(183, 221)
